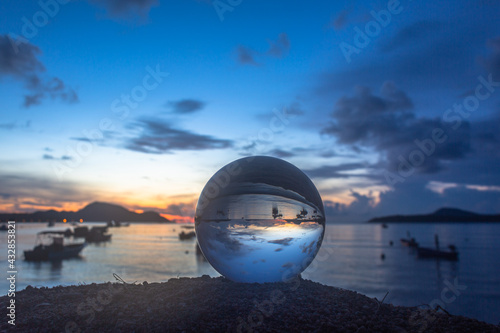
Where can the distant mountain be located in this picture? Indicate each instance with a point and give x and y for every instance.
(440, 215)
(96, 211)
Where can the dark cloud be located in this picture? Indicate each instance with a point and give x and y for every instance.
(15, 125)
(334, 171)
(119, 8)
(284, 241)
(42, 191)
(387, 125)
(186, 106)
(181, 209)
(412, 35)
(245, 55)
(159, 137)
(18, 58)
(340, 20)
(492, 63)
(280, 153)
(8, 126)
(53, 88)
(280, 47)
(277, 48)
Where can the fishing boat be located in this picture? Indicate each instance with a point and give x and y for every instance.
(187, 235)
(96, 234)
(303, 213)
(409, 241)
(50, 246)
(424, 252)
(276, 214)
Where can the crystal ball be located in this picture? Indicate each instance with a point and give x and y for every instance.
(259, 219)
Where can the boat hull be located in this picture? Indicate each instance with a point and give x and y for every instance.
(46, 253)
(431, 253)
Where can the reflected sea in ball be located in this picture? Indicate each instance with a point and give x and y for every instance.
(260, 219)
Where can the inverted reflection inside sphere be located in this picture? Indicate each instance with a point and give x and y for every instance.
(260, 219)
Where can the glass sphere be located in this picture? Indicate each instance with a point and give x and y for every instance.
(259, 219)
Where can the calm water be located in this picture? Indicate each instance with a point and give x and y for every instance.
(350, 258)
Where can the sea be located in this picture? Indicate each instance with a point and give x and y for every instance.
(367, 258)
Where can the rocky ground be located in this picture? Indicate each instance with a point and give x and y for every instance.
(217, 305)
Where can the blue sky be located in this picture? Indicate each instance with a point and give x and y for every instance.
(389, 106)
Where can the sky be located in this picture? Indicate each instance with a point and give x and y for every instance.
(390, 107)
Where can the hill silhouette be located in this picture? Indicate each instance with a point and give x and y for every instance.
(96, 211)
(440, 215)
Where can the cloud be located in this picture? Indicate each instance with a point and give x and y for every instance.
(412, 34)
(246, 55)
(51, 157)
(280, 47)
(15, 125)
(42, 191)
(21, 62)
(121, 8)
(18, 59)
(277, 49)
(280, 153)
(284, 241)
(340, 20)
(159, 137)
(387, 125)
(335, 171)
(181, 209)
(492, 63)
(185, 106)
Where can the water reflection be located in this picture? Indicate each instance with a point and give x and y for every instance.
(260, 219)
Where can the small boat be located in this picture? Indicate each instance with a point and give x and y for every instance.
(114, 223)
(51, 224)
(303, 213)
(424, 252)
(4, 227)
(384, 225)
(409, 242)
(187, 235)
(97, 235)
(50, 246)
(276, 214)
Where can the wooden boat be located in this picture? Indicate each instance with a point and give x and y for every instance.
(187, 235)
(409, 242)
(114, 223)
(95, 235)
(424, 252)
(50, 246)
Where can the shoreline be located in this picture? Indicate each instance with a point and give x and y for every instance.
(217, 304)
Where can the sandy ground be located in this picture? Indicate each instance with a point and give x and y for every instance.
(217, 305)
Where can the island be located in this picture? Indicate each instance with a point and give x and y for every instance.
(96, 211)
(450, 215)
